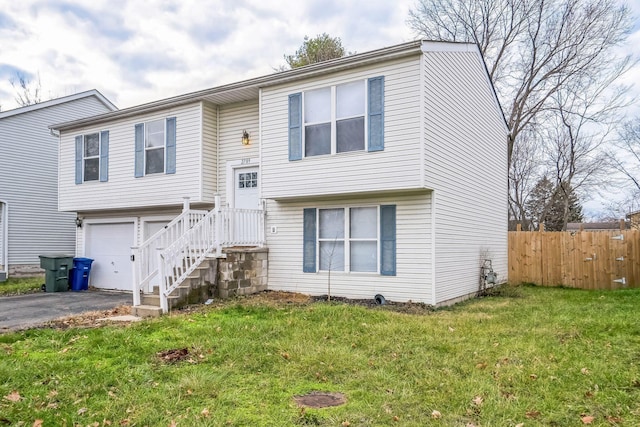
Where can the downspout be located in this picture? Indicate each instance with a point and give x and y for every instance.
(4, 248)
(217, 150)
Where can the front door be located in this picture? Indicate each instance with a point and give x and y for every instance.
(150, 228)
(246, 187)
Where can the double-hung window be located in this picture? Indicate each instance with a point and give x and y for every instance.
(354, 239)
(155, 147)
(92, 157)
(337, 119)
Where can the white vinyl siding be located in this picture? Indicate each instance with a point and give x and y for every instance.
(397, 167)
(413, 254)
(123, 190)
(466, 165)
(209, 151)
(234, 118)
(28, 182)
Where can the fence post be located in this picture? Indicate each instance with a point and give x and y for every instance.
(218, 225)
(135, 258)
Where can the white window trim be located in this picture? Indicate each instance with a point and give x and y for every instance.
(84, 141)
(163, 147)
(333, 120)
(347, 240)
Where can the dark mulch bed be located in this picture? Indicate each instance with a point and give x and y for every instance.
(377, 303)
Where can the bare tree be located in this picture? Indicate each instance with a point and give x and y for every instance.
(532, 47)
(537, 52)
(628, 143)
(27, 92)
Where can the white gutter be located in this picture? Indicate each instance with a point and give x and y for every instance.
(4, 240)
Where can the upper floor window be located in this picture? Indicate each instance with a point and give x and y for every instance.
(155, 147)
(334, 119)
(337, 119)
(92, 157)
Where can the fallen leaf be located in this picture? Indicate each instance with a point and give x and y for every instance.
(125, 422)
(346, 423)
(588, 419)
(106, 422)
(532, 414)
(52, 393)
(204, 412)
(533, 376)
(481, 365)
(14, 396)
(396, 418)
(82, 411)
(52, 405)
(173, 424)
(64, 350)
(436, 415)
(451, 329)
(584, 371)
(478, 400)
(37, 423)
(520, 425)
(616, 420)
(285, 355)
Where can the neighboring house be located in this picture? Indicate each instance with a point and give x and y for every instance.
(30, 224)
(597, 226)
(388, 167)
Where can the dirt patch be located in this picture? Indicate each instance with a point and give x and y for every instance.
(374, 303)
(174, 355)
(90, 319)
(320, 399)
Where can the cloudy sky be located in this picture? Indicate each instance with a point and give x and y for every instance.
(139, 51)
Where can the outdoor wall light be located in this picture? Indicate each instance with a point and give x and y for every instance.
(78, 222)
(245, 137)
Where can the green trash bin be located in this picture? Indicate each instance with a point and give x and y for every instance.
(57, 272)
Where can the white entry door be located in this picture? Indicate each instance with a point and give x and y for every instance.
(150, 228)
(246, 188)
(109, 245)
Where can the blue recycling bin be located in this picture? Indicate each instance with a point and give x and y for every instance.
(80, 274)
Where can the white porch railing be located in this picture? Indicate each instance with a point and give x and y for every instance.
(145, 266)
(4, 240)
(219, 228)
(168, 257)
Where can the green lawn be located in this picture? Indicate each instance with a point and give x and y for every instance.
(23, 285)
(539, 357)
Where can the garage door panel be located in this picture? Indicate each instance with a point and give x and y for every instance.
(109, 245)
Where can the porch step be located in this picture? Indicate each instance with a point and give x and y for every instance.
(153, 300)
(146, 311)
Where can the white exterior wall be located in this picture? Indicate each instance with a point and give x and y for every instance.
(123, 190)
(413, 253)
(466, 164)
(209, 150)
(397, 167)
(28, 181)
(234, 118)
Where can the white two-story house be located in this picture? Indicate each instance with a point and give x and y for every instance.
(380, 173)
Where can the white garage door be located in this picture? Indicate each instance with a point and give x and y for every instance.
(109, 245)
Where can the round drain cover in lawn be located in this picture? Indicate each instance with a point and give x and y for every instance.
(319, 399)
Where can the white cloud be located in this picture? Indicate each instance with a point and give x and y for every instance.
(137, 52)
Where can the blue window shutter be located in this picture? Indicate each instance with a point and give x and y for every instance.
(295, 126)
(104, 156)
(139, 163)
(170, 155)
(79, 149)
(376, 113)
(309, 245)
(388, 240)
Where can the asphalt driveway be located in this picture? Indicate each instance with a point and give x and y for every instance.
(27, 311)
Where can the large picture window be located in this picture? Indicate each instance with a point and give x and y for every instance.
(353, 239)
(334, 119)
(337, 119)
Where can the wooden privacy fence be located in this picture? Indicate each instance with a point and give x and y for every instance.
(582, 259)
